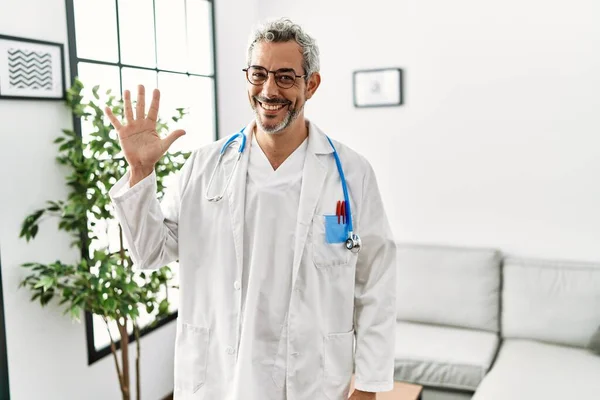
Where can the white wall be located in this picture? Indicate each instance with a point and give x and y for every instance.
(235, 20)
(498, 142)
(47, 353)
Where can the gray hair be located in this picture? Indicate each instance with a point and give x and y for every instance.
(284, 30)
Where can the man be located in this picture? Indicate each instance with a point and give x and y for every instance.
(273, 305)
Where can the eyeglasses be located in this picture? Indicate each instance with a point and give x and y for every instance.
(284, 77)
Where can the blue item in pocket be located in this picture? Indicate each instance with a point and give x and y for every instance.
(334, 232)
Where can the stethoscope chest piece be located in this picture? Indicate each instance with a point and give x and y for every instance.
(353, 243)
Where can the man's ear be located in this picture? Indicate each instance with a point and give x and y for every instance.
(313, 84)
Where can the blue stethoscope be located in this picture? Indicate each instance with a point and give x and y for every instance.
(353, 242)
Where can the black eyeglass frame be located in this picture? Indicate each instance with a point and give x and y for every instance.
(280, 70)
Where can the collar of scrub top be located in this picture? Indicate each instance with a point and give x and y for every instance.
(242, 146)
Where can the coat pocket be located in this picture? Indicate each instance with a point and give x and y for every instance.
(328, 248)
(191, 354)
(338, 365)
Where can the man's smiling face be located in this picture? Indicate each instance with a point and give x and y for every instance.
(276, 108)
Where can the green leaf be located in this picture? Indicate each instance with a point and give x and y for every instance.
(163, 308)
(63, 301)
(66, 146)
(75, 313)
(46, 297)
(45, 282)
(111, 303)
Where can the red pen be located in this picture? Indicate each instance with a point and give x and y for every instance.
(338, 210)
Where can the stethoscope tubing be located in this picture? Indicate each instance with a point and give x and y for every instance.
(344, 185)
(240, 150)
(353, 243)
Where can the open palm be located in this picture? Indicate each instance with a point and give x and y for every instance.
(141, 144)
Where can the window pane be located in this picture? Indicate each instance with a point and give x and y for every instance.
(132, 77)
(136, 28)
(201, 120)
(199, 33)
(96, 29)
(107, 77)
(171, 35)
(196, 95)
(174, 93)
(101, 337)
(107, 234)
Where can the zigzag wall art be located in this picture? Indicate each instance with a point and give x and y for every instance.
(31, 69)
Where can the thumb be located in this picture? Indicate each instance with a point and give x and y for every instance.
(172, 137)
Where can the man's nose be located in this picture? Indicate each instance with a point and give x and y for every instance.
(270, 88)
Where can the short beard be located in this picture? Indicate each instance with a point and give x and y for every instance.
(279, 128)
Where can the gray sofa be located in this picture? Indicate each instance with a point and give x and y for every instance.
(474, 324)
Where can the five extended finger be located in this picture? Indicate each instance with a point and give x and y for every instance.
(111, 117)
(140, 108)
(153, 111)
(128, 109)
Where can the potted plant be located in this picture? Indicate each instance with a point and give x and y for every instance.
(102, 281)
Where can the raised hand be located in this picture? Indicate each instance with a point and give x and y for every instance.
(141, 144)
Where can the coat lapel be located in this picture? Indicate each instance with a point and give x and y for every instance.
(236, 195)
(313, 178)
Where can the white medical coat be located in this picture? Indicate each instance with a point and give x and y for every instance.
(341, 312)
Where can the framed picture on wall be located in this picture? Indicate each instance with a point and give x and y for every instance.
(378, 87)
(31, 69)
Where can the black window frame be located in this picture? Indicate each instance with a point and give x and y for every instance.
(4, 388)
(93, 353)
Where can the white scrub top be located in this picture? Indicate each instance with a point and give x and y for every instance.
(271, 211)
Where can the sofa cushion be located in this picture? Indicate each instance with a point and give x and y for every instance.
(449, 286)
(552, 301)
(443, 356)
(526, 370)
